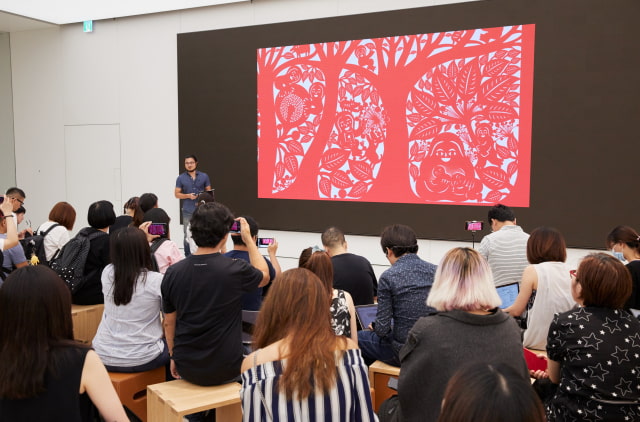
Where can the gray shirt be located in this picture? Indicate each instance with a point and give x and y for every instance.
(506, 251)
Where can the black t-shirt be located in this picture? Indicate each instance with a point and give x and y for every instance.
(354, 274)
(206, 292)
(634, 299)
(90, 293)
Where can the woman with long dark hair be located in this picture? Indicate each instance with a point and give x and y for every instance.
(301, 370)
(129, 338)
(44, 374)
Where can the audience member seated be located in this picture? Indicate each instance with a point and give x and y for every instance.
(18, 196)
(343, 313)
(546, 286)
(100, 217)
(13, 257)
(301, 370)
(132, 215)
(252, 300)
(27, 231)
(624, 243)
(490, 393)
(165, 251)
(203, 198)
(44, 374)
(130, 336)
(63, 217)
(148, 201)
(351, 273)
(202, 300)
(468, 328)
(505, 247)
(402, 292)
(10, 238)
(594, 351)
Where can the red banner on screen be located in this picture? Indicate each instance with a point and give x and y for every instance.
(441, 118)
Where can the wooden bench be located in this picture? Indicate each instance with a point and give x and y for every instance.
(132, 388)
(170, 401)
(379, 374)
(86, 319)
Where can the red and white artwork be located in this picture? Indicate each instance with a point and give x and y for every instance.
(430, 118)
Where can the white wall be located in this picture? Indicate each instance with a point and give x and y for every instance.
(125, 73)
(7, 158)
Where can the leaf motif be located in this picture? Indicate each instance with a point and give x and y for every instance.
(443, 88)
(510, 70)
(468, 80)
(279, 170)
(304, 129)
(357, 90)
(414, 149)
(291, 164)
(493, 177)
(414, 118)
(500, 54)
(498, 112)
(512, 168)
(334, 158)
(495, 67)
(495, 88)
(426, 129)
(295, 148)
(325, 187)
(375, 97)
(452, 71)
(358, 190)
(319, 75)
(340, 179)
(493, 196)
(306, 139)
(414, 171)
(424, 103)
(360, 170)
(503, 152)
(512, 144)
(511, 96)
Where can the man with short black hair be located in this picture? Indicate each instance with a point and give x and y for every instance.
(402, 295)
(202, 300)
(506, 247)
(189, 185)
(252, 300)
(351, 273)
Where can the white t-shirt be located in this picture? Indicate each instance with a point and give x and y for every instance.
(131, 334)
(55, 239)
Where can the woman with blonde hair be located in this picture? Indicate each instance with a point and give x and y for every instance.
(468, 328)
(301, 370)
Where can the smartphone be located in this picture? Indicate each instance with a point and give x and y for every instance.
(235, 227)
(264, 242)
(159, 229)
(473, 226)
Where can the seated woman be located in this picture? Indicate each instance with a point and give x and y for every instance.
(546, 285)
(624, 243)
(301, 370)
(469, 328)
(490, 393)
(165, 251)
(343, 312)
(132, 215)
(594, 351)
(62, 217)
(130, 336)
(44, 374)
(100, 217)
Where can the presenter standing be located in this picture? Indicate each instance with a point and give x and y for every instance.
(189, 185)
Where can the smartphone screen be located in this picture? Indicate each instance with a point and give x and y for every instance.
(264, 242)
(159, 229)
(474, 225)
(235, 227)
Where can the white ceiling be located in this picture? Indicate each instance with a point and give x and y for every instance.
(24, 15)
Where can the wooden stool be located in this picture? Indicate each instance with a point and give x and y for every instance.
(86, 319)
(379, 374)
(170, 401)
(132, 388)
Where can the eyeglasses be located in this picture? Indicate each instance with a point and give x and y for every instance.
(17, 199)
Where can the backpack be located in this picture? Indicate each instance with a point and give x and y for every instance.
(34, 247)
(155, 245)
(2, 274)
(69, 263)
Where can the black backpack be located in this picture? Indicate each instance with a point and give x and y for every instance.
(34, 246)
(69, 263)
(154, 247)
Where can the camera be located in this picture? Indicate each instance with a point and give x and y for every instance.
(264, 242)
(473, 226)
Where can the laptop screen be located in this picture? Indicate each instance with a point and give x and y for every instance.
(508, 294)
(366, 314)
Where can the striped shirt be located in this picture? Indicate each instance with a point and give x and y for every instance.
(506, 251)
(349, 400)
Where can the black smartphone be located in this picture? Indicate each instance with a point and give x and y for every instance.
(264, 242)
(473, 226)
(159, 229)
(235, 227)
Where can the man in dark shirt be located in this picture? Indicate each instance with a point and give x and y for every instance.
(202, 298)
(351, 273)
(402, 296)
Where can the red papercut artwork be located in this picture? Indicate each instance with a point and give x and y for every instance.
(430, 118)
